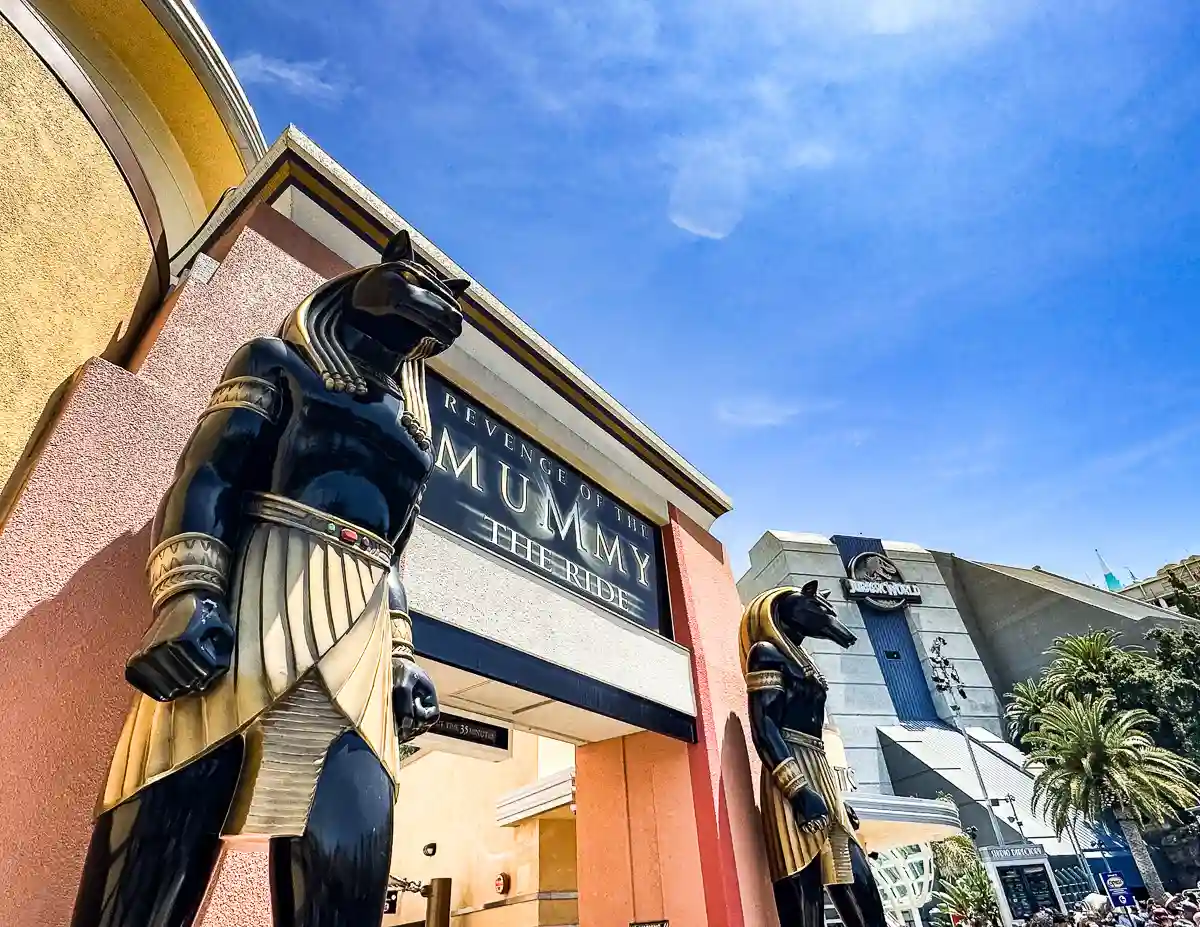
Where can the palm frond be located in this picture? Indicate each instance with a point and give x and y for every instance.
(1093, 759)
(1079, 656)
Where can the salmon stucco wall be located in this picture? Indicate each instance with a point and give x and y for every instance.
(706, 611)
(76, 253)
(636, 832)
(73, 602)
(668, 830)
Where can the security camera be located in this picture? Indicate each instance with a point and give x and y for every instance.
(429, 849)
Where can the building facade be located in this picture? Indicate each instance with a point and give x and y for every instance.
(1159, 589)
(564, 586)
(907, 736)
(578, 617)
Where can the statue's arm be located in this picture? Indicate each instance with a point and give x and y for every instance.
(414, 698)
(195, 531)
(231, 450)
(397, 598)
(765, 691)
(402, 645)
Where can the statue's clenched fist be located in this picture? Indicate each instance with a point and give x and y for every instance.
(187, 649)
(414, 700)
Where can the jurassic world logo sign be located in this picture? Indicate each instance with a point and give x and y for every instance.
(493, 485)
(876, 580)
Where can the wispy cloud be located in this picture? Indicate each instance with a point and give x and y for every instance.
(741, 97)
(1096, 475)
(1133, 456)
(762, 411)
(971, 458)
(309, 79)
(730, 105)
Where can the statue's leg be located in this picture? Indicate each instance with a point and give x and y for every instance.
(800, 899)
(151, 858)
(336, 875)
(859, 905)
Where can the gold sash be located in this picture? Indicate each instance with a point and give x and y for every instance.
(789, 849)
(309, 602)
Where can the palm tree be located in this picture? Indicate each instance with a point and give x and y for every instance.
(1025, 702)
(1093, 759)
(1077, 658)
(964, 889)
(971, 897)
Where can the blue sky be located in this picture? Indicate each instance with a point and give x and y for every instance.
(918, 269)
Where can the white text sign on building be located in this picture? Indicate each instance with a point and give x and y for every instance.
(496, 487)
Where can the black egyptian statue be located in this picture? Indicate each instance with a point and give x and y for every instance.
(277, 680)
(809, 831)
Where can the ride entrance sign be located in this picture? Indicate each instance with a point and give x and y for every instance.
(497, 488)
(1118, 892)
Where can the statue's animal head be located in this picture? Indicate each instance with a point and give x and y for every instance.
(810, 614)
(402, 303)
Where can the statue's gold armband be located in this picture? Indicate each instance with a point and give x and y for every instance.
(788, 777)
(402, 645)
(185, 563)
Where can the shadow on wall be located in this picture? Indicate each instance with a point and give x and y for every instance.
(64, 696)
(738, 803)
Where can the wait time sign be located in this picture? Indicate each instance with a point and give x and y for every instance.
(495, 486)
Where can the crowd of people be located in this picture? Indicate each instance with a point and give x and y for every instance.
(1179, 910)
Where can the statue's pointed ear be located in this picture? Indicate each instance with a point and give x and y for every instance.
(399, 248)
(809, 588)
(457, 286)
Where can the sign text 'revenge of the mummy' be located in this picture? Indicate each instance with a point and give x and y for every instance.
(496, 487)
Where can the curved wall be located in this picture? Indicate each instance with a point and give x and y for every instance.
(166, 167)
(76, 252)
(149, 54)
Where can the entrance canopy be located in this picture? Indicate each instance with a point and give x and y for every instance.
(522, 708)
(932, 760)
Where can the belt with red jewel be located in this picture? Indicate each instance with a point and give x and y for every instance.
(264, 506)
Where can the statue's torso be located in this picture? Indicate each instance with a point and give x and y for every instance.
(346, 455)
(804, 699)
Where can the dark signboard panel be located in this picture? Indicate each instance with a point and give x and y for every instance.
(496, 487)
(1027, 890)
(471, 731)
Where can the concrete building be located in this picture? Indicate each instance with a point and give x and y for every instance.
(1158, 588)
(902, 736)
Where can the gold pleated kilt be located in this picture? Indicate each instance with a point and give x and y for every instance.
(312, 659)
(790, 850)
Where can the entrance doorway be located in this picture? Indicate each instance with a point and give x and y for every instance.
(487, 800)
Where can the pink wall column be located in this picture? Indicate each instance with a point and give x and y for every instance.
(724, 767)
(602, 838)
(635, 825)
(668, 830)
(73, 603)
